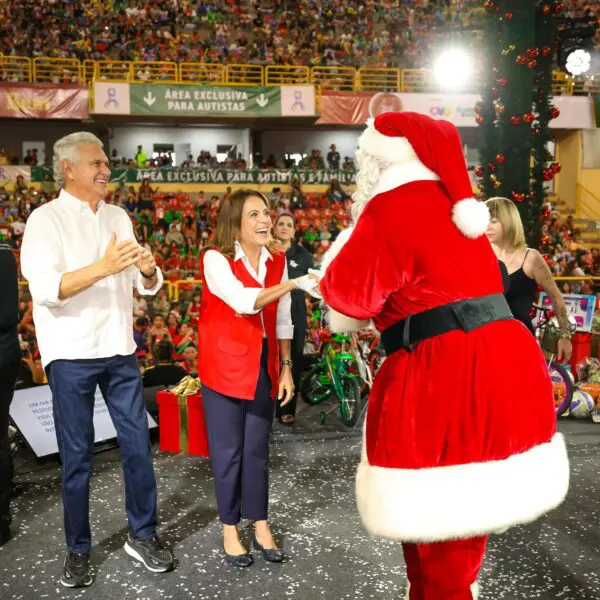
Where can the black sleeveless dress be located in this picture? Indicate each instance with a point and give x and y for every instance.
(521, 295)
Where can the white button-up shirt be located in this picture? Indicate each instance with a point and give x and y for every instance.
(225, 285)
(63, 236)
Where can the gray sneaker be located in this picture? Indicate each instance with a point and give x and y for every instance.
(151, 552)
(77, 572)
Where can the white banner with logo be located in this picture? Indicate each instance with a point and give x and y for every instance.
(348, 108)
(111, 98)
(297, 101)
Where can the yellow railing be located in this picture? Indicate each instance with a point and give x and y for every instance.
(154, 72)
(378, 80)
(15, 69)
(341, 79)
(180, 283)
(286, 75)
(57, 70)
(587, 204)
(202, 73)
(245, 75)
(366, 79)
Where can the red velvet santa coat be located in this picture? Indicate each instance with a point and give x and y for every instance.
(461, 433)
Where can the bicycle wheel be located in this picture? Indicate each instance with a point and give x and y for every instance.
(563, 387)
(351, 403)
(375, 359)
(313, 388)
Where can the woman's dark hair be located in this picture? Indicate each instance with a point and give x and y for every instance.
(229, 220)
(163, 351)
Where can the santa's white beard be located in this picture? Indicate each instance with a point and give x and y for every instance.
(367, 176)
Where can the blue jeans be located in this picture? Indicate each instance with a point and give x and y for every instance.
(73, 383)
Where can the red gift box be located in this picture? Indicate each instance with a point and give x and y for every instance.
(582, 349)
(182, 427)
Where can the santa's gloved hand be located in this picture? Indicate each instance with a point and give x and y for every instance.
(316, 273)
(308, 285)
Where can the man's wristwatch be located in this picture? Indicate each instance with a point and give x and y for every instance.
(149, 276)
(286, 363)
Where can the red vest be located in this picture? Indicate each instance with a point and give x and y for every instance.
(230, 345)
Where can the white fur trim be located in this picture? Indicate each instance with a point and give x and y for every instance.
(474, 591)
(386, 148)
(471, 217)
(338, 322)
(462, 501)
(334, 249)
(400, 174)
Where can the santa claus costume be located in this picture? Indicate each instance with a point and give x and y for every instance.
(460, 439)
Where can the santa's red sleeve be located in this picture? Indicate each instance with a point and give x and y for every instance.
(360, 274)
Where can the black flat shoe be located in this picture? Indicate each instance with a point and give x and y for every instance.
(274, 555)
(241, 561)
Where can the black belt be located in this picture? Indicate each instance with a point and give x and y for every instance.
(465, 315)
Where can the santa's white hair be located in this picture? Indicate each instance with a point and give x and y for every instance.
(367, 177)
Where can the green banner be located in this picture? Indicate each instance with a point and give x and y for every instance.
(597, 106)
(205, 101)
(226, 176)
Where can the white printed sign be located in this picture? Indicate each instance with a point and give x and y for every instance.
(111, 98)
(297, 101)
(31, 410)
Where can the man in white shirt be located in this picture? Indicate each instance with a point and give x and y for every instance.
(81, 259)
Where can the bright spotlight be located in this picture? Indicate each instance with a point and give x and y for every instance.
(453, 68)
(578, 62)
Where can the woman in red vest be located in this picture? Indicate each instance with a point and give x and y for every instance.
(245, 331)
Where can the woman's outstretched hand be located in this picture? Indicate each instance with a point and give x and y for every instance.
(308, 284)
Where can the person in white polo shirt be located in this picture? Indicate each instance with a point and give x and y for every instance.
(82, 262)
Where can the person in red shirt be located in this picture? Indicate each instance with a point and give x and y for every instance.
(172, 325)
(188, 208)
(174, 261)
(193, 310)
(183, 337)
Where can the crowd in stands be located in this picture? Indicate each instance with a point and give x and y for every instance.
(568, 256)
(205, 160)
(376, 33)
(176, 227)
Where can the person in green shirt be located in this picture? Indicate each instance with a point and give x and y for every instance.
(140, 158)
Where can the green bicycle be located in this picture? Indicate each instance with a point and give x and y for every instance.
(333, 375)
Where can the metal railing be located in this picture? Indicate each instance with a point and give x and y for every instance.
(14, 69)
(587, 204)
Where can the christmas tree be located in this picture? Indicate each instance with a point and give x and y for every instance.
(515, 109)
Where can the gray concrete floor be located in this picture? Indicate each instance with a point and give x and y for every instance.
(313, 514)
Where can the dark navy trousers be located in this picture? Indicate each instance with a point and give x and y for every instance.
(238, 437)
(73, 384)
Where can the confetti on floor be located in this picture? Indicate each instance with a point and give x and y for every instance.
(313, 514)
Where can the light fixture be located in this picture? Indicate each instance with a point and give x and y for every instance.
(576, 45)
(578, 62)
(453, 68)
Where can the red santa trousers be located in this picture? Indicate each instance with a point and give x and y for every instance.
(444, 570)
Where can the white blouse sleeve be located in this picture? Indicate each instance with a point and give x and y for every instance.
(225, 285)
(285, 327)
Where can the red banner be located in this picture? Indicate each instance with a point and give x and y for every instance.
(43, 101)
(351, 108)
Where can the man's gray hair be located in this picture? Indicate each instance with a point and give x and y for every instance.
(66, 149)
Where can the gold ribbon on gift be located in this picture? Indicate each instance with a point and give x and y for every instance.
(186, 387)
